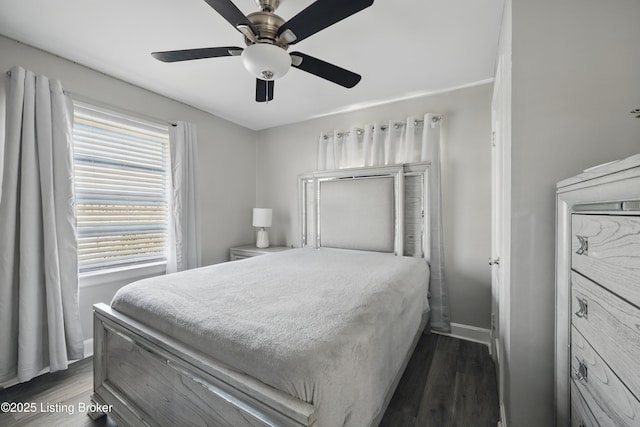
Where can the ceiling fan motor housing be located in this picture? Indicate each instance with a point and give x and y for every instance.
(267, 24)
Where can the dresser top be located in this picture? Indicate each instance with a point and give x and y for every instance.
(602, 170)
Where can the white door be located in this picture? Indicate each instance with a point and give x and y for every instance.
(497, 201)
(500, 215)
(501, 205)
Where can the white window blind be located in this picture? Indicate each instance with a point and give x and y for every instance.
(122, 189)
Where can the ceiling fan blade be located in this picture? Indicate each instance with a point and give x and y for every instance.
(318, 16)
(189, 54)
(264, 90)
(231, 13)
(327, 71)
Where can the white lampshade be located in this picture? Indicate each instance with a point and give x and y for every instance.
(262, 217)
(266, 61)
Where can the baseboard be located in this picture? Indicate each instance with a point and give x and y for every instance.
(8, 383)
(503, 416)
(88, 348)
(469, 333)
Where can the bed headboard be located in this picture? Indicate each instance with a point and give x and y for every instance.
(383, 209)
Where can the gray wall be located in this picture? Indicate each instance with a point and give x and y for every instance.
(576, 77)
(226, 154)
(287, 151)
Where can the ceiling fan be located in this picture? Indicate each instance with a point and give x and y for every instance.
(268, 37)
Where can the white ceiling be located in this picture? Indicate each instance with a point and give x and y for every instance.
(401, 48)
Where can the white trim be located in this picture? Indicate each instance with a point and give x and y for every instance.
(9, 383)
(405, 97)
(88, 348)
(503, 416)
(122, 274)
(468, 333)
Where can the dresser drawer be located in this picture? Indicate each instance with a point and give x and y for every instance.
(611, 403)
(611, 325)
(606, 249)
(581, 415)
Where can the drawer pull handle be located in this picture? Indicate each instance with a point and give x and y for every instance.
(581, 372)
(584, 245)
(583, 311)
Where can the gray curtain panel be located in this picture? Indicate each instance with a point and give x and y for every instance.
(39, 316)
(184, 232)
(430, 151)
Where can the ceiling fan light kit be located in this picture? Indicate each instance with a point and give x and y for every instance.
(266, 61)
(268, 37)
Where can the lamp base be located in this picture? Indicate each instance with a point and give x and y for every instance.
(262, 240)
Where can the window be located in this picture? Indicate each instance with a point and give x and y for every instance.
(122, 190)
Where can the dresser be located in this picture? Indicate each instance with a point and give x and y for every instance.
(248, 251)
(597, 351)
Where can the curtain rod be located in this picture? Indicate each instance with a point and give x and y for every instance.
(396, 125)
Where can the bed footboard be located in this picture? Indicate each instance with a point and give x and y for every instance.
(150, 379)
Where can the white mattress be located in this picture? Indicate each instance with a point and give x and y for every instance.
(330, 327)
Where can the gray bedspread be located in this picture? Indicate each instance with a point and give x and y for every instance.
(330, 327)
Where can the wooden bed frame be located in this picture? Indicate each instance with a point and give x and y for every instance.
(149, 378)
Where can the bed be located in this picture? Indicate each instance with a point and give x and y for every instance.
(316, 336)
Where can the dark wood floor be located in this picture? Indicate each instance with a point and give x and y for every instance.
(448, 382)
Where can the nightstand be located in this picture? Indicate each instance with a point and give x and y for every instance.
(248, 251)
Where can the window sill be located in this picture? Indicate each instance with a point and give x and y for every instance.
(122, 275)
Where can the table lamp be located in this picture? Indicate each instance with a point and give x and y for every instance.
(262, 219)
